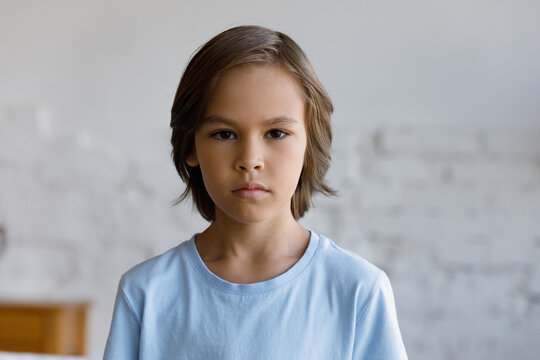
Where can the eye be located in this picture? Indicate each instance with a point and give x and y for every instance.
(277, 134)
(223, 135)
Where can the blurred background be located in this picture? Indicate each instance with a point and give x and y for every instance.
(436, 153)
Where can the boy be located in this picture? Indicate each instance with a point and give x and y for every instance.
(251, 139)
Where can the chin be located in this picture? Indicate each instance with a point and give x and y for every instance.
(246, 216)
(248, 219)
(252, 213)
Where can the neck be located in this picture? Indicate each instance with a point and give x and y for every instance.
(226, 239)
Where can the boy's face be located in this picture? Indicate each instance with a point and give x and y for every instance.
(253, 132)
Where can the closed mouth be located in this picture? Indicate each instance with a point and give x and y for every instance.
(251, 186)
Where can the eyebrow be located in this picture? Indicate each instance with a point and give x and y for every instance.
(278, 120)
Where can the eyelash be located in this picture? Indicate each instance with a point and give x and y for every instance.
(284, 134)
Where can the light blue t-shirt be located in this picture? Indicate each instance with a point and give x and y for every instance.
(331, 304)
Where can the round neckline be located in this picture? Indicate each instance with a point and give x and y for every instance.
(252, 288)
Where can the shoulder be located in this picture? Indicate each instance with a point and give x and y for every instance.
(350, 275)
(347, 264)
(364, 289)
(154, 272)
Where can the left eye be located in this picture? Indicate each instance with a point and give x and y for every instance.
(223, 135)
(277, 134)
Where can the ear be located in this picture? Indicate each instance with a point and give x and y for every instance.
(191, 159)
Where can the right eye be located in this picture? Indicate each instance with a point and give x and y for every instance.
(223, 135)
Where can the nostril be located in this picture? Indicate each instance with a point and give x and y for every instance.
(249, 165)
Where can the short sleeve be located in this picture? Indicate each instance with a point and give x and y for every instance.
(377, 335)
(123, 340)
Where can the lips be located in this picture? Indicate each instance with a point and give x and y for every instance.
(250, 191)
(251, 186)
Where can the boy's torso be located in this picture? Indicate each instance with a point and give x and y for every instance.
(310, 312)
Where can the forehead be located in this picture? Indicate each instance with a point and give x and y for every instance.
(259, 92)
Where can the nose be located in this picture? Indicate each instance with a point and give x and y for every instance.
(249, 157)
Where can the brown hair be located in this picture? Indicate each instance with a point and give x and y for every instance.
(240, 46)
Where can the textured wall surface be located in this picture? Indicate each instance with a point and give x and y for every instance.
(436, 153)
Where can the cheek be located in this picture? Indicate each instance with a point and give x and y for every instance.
(301, 151)
(212, 171)
(289, 165)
